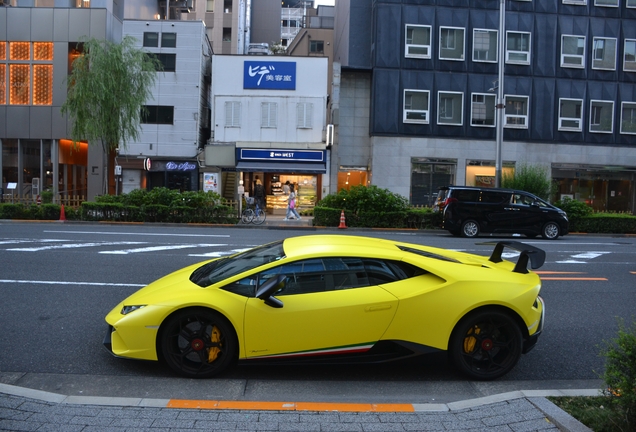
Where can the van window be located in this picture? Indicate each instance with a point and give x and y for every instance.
(491, 197)
(468, 195)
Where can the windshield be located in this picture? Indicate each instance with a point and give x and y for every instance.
(224, 268)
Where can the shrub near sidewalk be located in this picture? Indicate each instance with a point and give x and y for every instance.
(370, 206)
(615, 410)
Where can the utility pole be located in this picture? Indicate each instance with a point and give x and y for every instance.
(500, 90)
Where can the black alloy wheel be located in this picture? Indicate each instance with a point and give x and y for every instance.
(486, 345)
(550, 231)
(198, 343)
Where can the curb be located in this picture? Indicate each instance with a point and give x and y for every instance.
(537, 398)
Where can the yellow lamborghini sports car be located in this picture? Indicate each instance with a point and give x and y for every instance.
(336, 298)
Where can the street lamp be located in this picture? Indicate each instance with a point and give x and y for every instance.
(500, 90)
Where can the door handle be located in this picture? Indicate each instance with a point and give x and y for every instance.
(377, 308)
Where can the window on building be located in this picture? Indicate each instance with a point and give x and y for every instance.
(450, 108)
(516, 111)
(518, 47)
(418, 41)
(168, 40)
(575, 2)
(628, 118)
(304, 115)
(573, 51)
(232, 114)
(316, 47)
(209, 6)
(601, 116)
(629, 59)
(416, 106)
(157, 114)
(485, 45)
(604, 54)
(482, 112)
(451, 43)
(151, 39)
(168, 61)
(611, 3)
(570, 115)
(26, 73)
(269, 112)
(227, 34)
(630, 3)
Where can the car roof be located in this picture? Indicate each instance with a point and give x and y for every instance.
(486, 189)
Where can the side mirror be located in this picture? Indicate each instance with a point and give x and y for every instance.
(265, 291)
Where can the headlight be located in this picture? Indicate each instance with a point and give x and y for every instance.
(128, 309)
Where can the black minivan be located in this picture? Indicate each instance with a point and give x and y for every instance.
(468, 211)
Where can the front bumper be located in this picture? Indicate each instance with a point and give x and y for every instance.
(532, 339)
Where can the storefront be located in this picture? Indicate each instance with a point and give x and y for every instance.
(181, 175)
(604, 188)
(275, 168)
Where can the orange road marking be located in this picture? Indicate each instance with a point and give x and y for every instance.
(288, 406)
(574, 278)
(557, 272)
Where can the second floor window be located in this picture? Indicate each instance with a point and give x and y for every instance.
(450, 108)
(516, 111)
(482, 111)
(304, 115)
(416, 106)
(629, 59)
(628, 118)
(157, 114)
(232, 114)
(316, 47)
(604, 54)
(570, 115)
(268, 114)
(601, 116)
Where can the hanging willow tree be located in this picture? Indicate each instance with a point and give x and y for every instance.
(107, 88)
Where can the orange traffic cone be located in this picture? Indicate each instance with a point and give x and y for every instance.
(342, 221)
(62, 214)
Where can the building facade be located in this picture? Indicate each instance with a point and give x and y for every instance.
(428, 70)
(268, 124)
(176, 125)
(37, 47)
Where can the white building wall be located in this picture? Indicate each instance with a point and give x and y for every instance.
(179, 89)
(311, 87)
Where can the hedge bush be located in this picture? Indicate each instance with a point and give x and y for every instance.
(604, 223)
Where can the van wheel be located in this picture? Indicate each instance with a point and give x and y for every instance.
(470, 228)
(550, 231)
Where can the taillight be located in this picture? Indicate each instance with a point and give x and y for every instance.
(447, 201)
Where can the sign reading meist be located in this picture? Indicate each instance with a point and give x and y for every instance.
(272, 75)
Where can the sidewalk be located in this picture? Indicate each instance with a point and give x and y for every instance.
(23, 409)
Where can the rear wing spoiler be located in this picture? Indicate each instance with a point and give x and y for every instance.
(533, 254)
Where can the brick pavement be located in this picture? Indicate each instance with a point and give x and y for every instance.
(51, 412)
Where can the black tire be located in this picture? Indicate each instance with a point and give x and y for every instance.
(486, 344)
(470, 228)
(550, 231)
(198, 343)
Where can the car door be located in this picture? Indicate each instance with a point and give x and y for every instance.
(524, 216)
(328, 307)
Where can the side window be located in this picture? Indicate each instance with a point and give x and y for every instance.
(494, 197)
(522, 199)
(466, 195)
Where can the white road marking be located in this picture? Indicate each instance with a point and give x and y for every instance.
(70, 283)
(17, 241)
(140, 234)
(219, 254)
(582, 256)
(159, 248)
(71, 246)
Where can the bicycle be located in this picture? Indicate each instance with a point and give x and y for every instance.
(252, 213)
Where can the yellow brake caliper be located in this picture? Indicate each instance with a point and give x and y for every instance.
(470, 341)
(213, 354)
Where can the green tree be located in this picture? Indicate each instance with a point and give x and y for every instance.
(530, 178)
(109, 84)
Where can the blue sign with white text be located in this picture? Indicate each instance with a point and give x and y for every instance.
(281, 155)
(271, 75)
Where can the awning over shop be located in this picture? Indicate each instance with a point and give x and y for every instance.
(282, 167)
